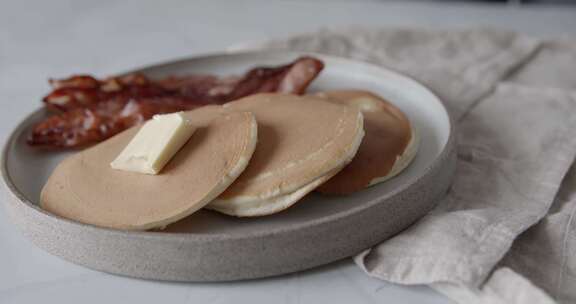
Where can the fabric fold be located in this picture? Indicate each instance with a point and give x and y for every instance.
(510, 165)
(513, 98)
(459, 66)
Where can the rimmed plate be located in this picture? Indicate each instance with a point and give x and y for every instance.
(211, 247)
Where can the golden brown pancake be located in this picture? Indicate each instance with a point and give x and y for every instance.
(302, 140)
(84, 187)
(388, 147)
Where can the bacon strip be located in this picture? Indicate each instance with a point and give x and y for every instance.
(92, 110)
(82, 91)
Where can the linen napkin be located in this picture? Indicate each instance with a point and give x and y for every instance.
(504, 233)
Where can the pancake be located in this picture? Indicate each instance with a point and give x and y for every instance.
(84, 187)
(268, 206)
(302, 141)
(388, 148)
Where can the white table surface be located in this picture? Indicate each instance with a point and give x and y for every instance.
(58, 38)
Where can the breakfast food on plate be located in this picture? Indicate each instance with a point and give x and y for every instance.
(89, 110)
(302, 142)
(85, 188)
(246, 146)
(389, 145)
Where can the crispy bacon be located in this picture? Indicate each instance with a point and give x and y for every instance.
(82, 91)
(293, 78)
(83, 126)
(92, 110)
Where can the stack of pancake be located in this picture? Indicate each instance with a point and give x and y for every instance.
(252, 157)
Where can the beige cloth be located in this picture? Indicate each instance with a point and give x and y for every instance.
(499, 236)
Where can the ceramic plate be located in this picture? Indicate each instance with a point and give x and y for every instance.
(211, 247)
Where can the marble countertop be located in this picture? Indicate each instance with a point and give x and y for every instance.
(57, 38)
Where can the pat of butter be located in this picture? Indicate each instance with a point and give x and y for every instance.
(154, 144)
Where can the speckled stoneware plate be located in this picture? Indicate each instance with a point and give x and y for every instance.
(211, 247)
